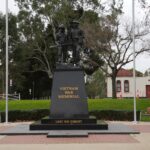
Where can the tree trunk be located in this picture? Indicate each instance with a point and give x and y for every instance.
(113, 78)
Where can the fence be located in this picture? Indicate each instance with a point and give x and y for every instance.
(10, 96)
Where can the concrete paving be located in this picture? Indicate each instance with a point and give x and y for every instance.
(23, 129)
(97, 146)
(94, 142)
(1, 137)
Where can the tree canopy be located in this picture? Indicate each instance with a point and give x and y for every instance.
(113, 42)
(32, 38)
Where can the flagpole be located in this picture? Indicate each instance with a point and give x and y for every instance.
(134, 65)
(6, 109)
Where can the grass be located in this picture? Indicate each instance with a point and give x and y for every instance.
(25, 105)
(96, 104)
(118, 104)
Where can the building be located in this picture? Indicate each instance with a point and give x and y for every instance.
(125, 86)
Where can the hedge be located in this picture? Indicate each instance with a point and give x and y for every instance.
(25, 115)
(115, 115)
(30, 115)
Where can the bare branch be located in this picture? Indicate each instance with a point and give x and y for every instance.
(38, 60)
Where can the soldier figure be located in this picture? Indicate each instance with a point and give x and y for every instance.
(61, 39)
(72, 41)
(75, 36)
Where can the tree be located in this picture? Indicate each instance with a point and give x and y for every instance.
(147, 72)
(112, 45)
(2, 38)
(13, 44)
(96, 85)
(38, 22)
(138, 73)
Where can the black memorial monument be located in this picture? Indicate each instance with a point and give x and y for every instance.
(69, 108)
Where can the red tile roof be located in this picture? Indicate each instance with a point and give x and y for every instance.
(124, 73)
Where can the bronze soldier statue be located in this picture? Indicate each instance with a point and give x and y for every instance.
(73, 41)
(75, 37)
(61, 40)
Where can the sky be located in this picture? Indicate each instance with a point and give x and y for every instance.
(142, 61)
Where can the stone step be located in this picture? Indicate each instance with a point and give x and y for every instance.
(68, 133)
(39, 126)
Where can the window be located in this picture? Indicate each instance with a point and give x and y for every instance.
(126, 86)
(118, 86)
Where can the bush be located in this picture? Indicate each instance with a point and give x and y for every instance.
(25, 115)
(28, 115)
(120, 115)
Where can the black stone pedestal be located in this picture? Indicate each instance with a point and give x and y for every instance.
(69, 108)
(69, 99)
(67, 125)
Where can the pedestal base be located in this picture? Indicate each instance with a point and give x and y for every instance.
(69, 108)
(69, 124)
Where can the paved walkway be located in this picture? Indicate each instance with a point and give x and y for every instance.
(93, 142)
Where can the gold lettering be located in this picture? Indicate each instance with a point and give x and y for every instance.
(68, 121)
(68, 93)
(69, 88)
(68, 97)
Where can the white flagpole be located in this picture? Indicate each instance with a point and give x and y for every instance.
(134, 74)
(6, 109)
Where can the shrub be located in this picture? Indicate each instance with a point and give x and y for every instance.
(120, 115)
(28, 115)
(25, 115)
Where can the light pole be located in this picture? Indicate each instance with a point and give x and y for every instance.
(6, 109)
(134, 74)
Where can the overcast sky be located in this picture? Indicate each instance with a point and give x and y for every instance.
(142, 62)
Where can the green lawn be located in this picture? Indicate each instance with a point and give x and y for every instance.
(25, 104)
(118, 104)
(96, 104)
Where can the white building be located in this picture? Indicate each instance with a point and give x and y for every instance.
(124, 85)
